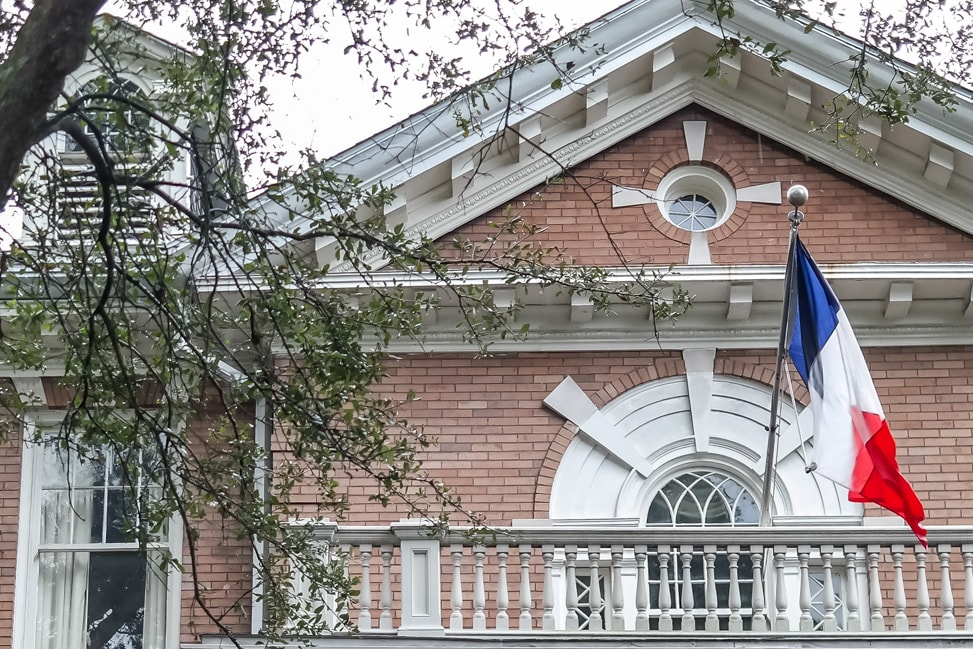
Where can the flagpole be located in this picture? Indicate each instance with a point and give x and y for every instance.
(797, 196)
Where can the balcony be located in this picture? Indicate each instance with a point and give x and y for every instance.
(779, 586)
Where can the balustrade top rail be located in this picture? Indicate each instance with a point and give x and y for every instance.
(609, 535)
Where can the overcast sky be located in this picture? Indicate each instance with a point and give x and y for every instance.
(333, 115)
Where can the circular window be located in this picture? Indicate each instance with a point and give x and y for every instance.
(696, 198)
(693, 212)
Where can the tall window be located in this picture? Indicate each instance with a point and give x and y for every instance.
(97, 589)
(704, 499)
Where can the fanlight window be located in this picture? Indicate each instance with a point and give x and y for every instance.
(703, 498)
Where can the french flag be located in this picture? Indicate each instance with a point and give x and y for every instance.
(852, 440)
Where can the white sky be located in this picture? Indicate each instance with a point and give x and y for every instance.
(332, 107)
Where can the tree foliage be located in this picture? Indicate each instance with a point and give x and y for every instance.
(921, 42)
(159, 296)
(176, 308)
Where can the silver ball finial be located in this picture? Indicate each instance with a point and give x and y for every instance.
(797, 195)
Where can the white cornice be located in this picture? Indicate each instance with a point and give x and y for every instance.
(937, 313)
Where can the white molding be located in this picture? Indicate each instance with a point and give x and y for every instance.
(666, 424)
(699, 250)
(31, 390)
(625, 196)
(663, 66)
(798, 104)
(740, 301)
(596, 102)
(699, 380)
(769, 193)
(582, 308)
(939, 165)
(570, 401)
(695, 134)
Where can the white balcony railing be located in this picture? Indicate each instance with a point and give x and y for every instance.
(536, 580)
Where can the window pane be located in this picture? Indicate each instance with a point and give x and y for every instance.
(688, 512)
(67, 516)
(121, 516)
(659, 512)
(116, 600)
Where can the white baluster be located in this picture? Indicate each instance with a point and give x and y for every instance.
(665, 599)
(344, 551)
(736, 620)
(547, 621)
(641, 589)
(365, 593)
(524, 621)
(595, 622)
(922, 590)
(898, 595)
(479, 593)
(804, 595)
(385, 619)
(456, 594)
(781, 621)
(503, 594)
(875, 604)
(712, 622)
(759, 622)
(829, 622)
(968, 590)
(617, 592)
(571, 582)
(688, 604)
(852, 618)
(949, 621)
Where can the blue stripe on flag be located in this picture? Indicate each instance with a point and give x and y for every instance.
(816, 315)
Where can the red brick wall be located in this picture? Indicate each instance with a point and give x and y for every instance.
(498, 446)
(845, 221)
(10, 458)
(222, 566)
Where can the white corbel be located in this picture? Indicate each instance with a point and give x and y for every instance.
(596, 102)
(899, 300)
(740, 302)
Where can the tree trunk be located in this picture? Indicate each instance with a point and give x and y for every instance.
(50, 45)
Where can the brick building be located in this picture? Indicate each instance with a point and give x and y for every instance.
(622, 459)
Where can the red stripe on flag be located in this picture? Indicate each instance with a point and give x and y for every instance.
(876, 477)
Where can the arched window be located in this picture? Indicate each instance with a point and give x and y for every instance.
(122, 126)
(703, 498)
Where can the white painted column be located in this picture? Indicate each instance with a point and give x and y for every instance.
(421, 584)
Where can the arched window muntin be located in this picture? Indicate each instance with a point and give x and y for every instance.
(703, 498)
(726, 471)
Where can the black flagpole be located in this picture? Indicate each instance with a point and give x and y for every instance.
(797, 196)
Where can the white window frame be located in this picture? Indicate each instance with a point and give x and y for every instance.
(27, 577)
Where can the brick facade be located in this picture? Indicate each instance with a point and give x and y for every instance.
(846, 222)
(499, 447)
